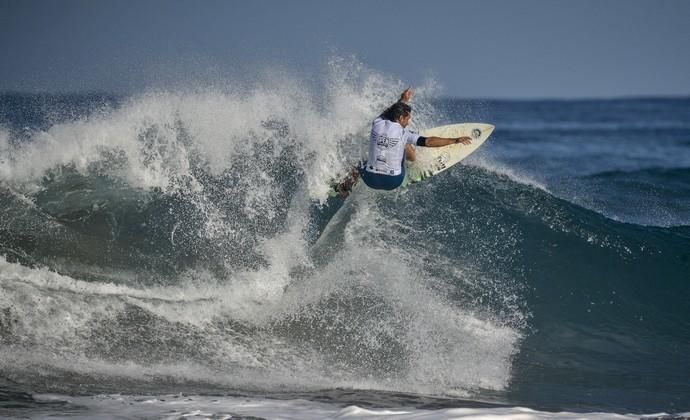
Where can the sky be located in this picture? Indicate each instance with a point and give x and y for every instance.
(472, 49)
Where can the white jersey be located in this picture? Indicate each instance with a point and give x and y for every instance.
(387, 147)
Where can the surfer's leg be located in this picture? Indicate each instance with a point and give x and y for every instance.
(382, 182)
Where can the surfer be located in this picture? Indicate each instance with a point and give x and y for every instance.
(390, 144)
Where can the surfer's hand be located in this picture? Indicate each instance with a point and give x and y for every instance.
(464, 140)
(406, 95)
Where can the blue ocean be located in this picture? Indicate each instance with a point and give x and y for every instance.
(175, 254)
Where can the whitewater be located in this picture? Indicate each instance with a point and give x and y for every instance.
(175, 253)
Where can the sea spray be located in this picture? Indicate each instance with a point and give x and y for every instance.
(170, 237)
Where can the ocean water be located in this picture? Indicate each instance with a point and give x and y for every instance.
(174, 254)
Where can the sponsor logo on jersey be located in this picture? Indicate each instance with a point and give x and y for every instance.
(385, 142)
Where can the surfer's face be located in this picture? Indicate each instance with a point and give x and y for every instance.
(405, 119)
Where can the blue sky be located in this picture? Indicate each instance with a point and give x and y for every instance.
(478, 48)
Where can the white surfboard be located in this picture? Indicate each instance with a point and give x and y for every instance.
(431, 161)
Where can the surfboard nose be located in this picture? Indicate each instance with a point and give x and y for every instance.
(484, 130)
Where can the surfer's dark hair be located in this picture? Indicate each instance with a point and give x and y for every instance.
(397, 110)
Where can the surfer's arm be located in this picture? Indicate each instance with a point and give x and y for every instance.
(442, 141)
(410, 153)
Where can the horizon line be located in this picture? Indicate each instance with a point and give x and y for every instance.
(566, 98)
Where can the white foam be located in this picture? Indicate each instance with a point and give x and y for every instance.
(449, 350)
(5, 153)
(200, 407)
(452, 349)
(149, 131)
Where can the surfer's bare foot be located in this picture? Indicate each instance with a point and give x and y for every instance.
(344, 188)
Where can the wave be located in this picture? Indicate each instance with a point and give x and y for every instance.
(187, 238)
(176, 229)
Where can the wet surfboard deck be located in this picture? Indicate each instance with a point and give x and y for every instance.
(431, 161)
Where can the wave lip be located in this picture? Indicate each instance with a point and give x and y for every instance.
(656, 196)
